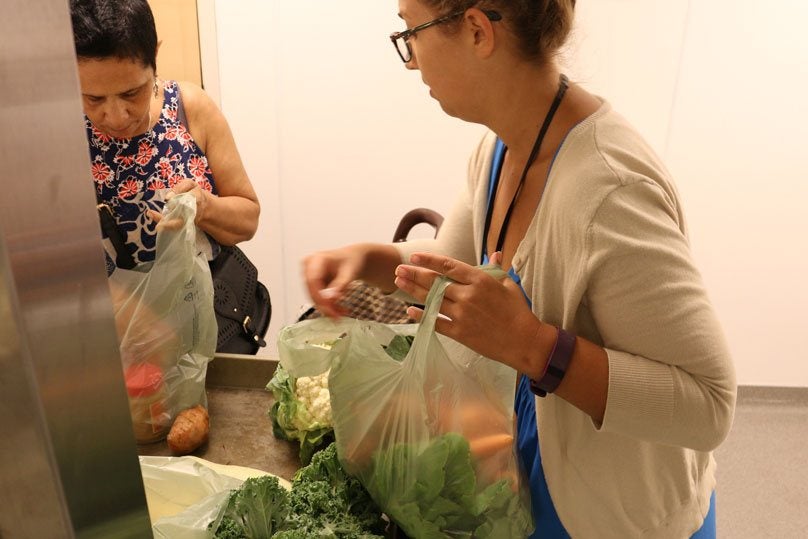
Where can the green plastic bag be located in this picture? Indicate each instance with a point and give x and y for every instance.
(166, 323)
(431, 437)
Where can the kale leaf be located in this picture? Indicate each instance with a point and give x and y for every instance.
(259, 507)
(325, 502)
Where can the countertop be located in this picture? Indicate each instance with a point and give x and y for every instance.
(240, 427)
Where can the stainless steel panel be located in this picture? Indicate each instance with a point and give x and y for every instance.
(30, 491)
(68, 461)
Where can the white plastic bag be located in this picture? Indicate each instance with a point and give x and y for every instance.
(186, 494)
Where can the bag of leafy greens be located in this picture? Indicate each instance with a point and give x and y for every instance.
(430, 436)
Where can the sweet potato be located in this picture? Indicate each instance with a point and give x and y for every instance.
(189, 431)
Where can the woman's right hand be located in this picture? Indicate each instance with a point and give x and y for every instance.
(328, 273)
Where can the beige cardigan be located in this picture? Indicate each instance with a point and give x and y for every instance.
(607, 257)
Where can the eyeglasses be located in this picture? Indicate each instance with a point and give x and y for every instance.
(401, 39)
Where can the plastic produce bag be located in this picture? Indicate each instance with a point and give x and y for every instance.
(166, 323)
(431, 437)
(307, 346)
(188, 495)
(184, 496)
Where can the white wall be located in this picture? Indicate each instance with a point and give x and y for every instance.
(340, 140)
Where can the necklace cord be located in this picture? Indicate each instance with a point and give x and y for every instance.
(563, 84)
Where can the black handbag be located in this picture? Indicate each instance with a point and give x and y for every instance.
(241, 303)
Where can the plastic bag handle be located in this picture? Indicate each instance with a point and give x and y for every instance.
(435, 298)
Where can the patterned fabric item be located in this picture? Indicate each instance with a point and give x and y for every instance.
(133, 175)
(365, 302)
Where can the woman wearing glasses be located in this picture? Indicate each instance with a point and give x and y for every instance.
(626, 382)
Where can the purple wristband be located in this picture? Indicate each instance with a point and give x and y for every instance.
(556, 366)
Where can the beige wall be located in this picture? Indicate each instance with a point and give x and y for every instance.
(177, 30)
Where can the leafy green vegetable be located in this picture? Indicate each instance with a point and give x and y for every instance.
(328, 501)
(399, 346)
(325, 502)
(259, 508)
(432, 491)
(297, 534)
(228, 529)
(292, 421)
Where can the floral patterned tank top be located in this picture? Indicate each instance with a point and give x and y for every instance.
(133, 175)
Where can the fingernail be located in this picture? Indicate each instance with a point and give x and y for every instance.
(329, 293)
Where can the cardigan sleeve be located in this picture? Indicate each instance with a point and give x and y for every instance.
(671, 378)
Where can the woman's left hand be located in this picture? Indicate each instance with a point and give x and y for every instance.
(202, 197)
(488, 315)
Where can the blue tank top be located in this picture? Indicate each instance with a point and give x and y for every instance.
(134, 175)
(548, 524)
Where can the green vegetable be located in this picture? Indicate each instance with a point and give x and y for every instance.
(399, 346)
(259, 508)
(228, 529)
(327, 502)
(297, 534)
(432, 492)
(291, 419)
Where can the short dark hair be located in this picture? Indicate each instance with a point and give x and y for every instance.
(114, 29)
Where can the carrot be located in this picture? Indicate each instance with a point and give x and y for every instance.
(489, 445)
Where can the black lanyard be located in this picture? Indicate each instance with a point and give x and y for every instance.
(562, 88)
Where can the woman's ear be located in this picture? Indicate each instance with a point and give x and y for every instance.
(156, 52)
(482, 32)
